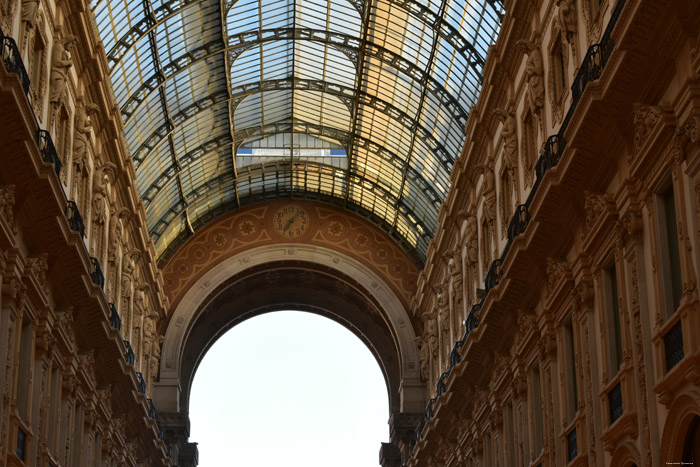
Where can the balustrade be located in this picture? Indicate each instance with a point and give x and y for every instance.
(13, 61)
(75, 220)
(140, 383)
(151, 409)
(129, 353)
(96, 274)
(114, 320)
(493, 277)
(48, 150)
(519, 222)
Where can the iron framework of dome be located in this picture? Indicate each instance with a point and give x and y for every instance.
(361, 104)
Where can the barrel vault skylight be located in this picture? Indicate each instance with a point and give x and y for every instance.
(361, 104)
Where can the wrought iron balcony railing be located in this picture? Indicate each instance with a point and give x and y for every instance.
(13, 61)
(161, 434)
(455, 356)
(615, 403)
(419, 430)
(114, 320)
(141, 383)
(551, 153)
(129, 354)
(673, 346)
(519, 222)
(96, 274)
(493, 277)
(75, 220)
(151, 409)
(596, 58)
(429, 408)
(442, 384)
(472, 321)
(48, 150)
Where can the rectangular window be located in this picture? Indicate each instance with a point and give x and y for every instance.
(25, 351)
(538, 429)
(570, 364)
(54, 402)
(76, 445)
(612, 310)
(670, 254)
(510, 427)
(559, 69)
(530, 145)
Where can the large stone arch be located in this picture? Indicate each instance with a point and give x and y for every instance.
(215, 283)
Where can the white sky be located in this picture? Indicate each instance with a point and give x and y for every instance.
(289, 389)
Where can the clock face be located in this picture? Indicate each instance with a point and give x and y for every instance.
(290, 221)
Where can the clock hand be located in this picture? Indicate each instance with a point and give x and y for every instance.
(291, 221)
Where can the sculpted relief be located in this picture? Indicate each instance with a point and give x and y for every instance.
(534, 73)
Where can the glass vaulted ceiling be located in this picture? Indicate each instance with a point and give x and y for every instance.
(360, 103)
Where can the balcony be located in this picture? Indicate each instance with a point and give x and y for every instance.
(13, 61)
(151, 409)
(551, 153)
(519, 222)
(96, 274)
(493, 277)
(75, 220)
(129, 353)
(47, 150)
(596, 57)
(141, 383)
(114, 320)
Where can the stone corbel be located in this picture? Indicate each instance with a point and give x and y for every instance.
(7, 206)
(683, 136)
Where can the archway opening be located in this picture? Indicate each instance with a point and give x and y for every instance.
(289, 388)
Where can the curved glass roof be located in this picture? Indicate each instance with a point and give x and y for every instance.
(360, 103)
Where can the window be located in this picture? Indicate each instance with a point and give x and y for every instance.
(559, 70)
(76, 444)
(612, 321)
(538, 429)
(510, 433)
(570, 365)
(61, 140)
(529, 147)
(54, 402)
(37, 66)
(669, 254)
(25, 350)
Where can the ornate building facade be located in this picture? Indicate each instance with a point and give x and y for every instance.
(547, 314)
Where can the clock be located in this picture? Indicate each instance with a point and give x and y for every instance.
(290, 221)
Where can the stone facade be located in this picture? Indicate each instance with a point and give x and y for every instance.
(81, 297)
(581, 308)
